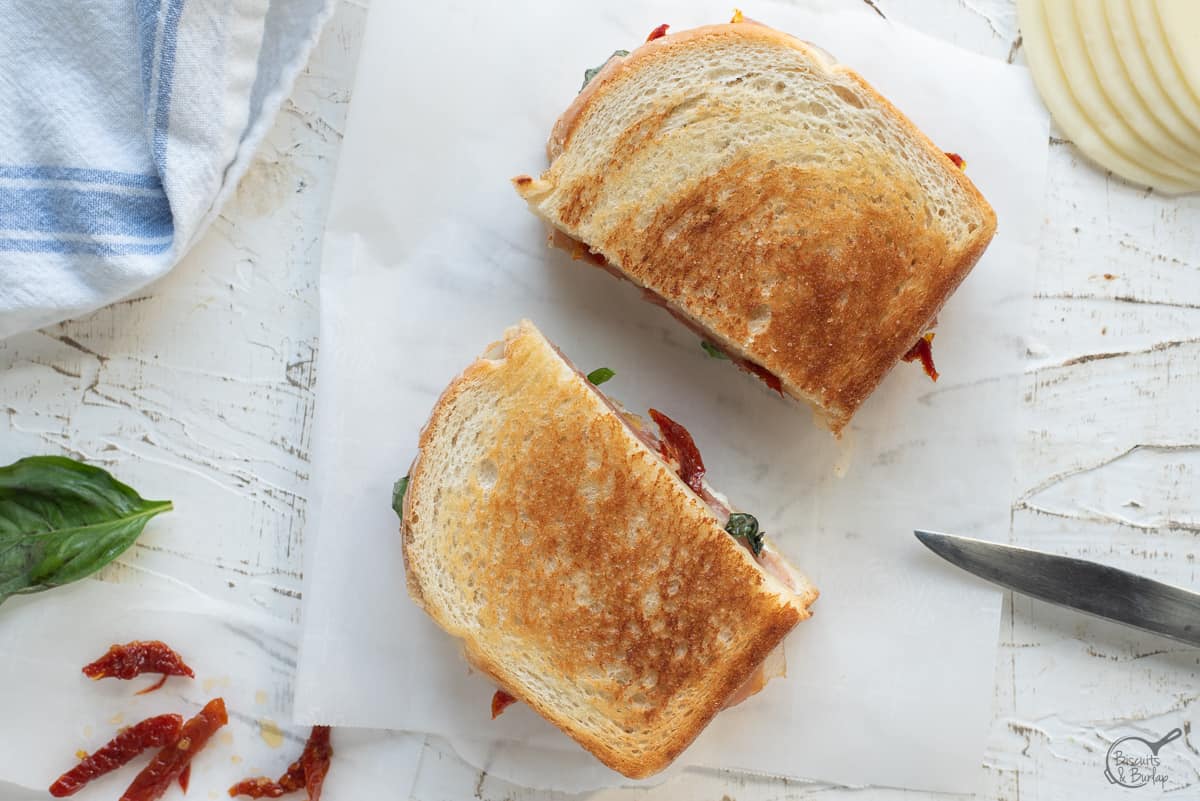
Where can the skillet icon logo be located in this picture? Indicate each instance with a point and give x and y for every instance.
(1134, 761)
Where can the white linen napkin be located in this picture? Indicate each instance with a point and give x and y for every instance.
(125, 125)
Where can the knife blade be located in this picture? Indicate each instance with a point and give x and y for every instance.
(1090, 587)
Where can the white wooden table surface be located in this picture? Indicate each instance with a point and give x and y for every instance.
(203, 386)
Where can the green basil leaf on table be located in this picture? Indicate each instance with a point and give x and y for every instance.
(61, 520)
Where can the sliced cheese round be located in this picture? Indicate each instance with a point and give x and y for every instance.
(1154, 45)
(1179, 144)
(1143, 146)
(1051, 83)
(1180, 21)
(1141, 74)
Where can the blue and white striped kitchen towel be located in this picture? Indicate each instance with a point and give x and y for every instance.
(124, 125)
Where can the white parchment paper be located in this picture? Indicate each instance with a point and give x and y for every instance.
(429, 255)
(51, 710)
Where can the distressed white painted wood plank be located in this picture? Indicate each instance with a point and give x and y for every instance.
(200, 389)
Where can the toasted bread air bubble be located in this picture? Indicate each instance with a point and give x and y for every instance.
(620, 674)
(583, 593)
(487, 474)
(760, 318)
(650, 602)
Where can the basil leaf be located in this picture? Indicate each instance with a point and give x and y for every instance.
(591, 73)
(61, 520)
(713, 350)
(398, 490)
(600, 375)
(744, 526)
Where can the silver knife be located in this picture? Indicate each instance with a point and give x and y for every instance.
(1077, 584)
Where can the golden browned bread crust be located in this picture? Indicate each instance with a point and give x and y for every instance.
(581, 574)
(823, 263)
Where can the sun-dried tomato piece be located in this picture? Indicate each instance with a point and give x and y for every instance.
(658, 32)
(306, 773)
(150, 733)
(293, 780)
(678, 444)
(171, 761)
(315, 759)
(155, 686)
(764, 375)
(132, 659)
(262, 787)
(185, 778)
(500, 702)
(958, 160)
(923, 350)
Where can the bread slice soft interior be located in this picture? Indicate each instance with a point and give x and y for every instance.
(581, 574)
(772, 198)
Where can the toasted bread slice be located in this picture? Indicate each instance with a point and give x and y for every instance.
(772, 200)
(582, 575)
